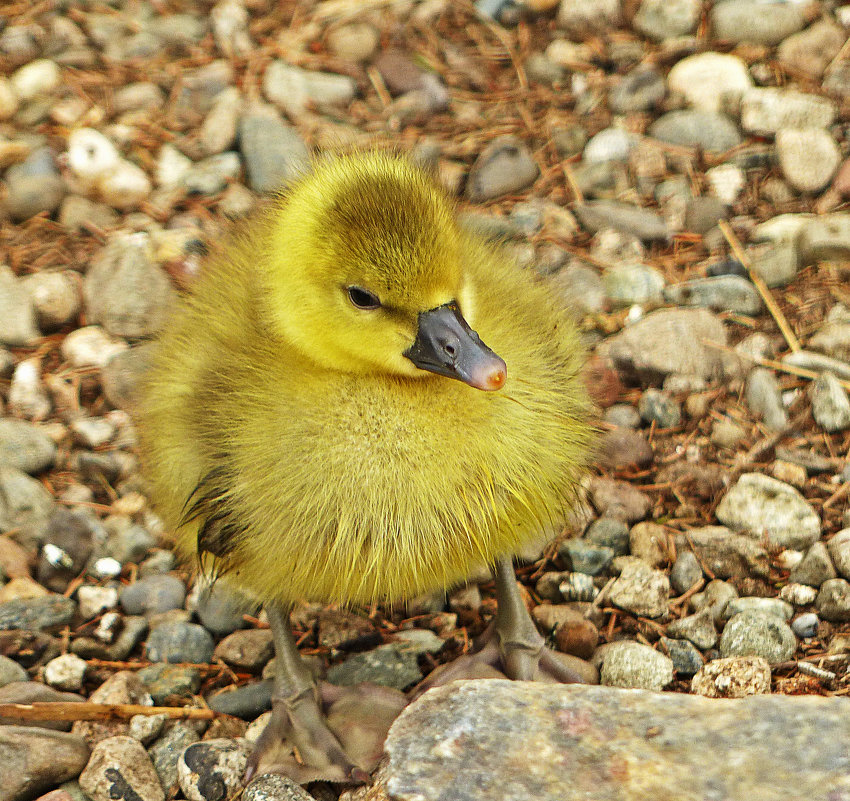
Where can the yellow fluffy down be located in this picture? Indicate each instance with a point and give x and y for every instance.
(323, 465)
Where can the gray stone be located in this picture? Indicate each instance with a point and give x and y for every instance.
(670, 341)
(274, 787)
(11, 671)
(25, 505)
(833, 601)
(648, 541)
(806, 625)
(816, 567)
(839, 550)
(766, 110)
(47, 612)
(25, 446)
(715, 597)
(391, 665)
(765, 399)
(120, 768)
(180, 642)
(125, 291)
(121, 373)
(581, 286)
(585, 557)
(709, 130)
(703, 212)
(131, 632)
(274, 152)
(645, 224)
(610, 144)
(295, 90)
(758, 634)
(244, 702)
(830, 404)
(640, 90)
(609, 532)
(212, 174)
(623, 415)
(165, 752)
(812, 50)
(153, 594)
(729, 293)
(633, 665)
(746, 21)
(221, 608)
(163, 680)
(212, 770)
(504, 166)
(660, 19)
(627, 284)
(640, 589)
(824, 238)
(34, 760)
(698, 628)
(686, 572)
(218, 131)
(247, 650)
(656, 406)
(768, 606)
(687, 660)
(734, 677)
(31, 692)
(817, 362)
(464, 741)
(808, 157)
(582, 17)
(34, 186)
(618, 499)
(759, 505)
(16, 310)
(55, 296)
(725, 553)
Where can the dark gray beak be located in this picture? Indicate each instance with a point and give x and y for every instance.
(446, 345)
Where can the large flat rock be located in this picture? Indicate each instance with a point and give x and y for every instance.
(477, 740)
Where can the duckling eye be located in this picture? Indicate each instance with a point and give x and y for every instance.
(363, 298)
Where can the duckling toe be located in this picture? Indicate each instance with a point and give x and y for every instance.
(339, 738)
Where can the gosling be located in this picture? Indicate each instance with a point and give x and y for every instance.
(324, 421)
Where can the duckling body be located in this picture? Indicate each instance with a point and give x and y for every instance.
(293, 442)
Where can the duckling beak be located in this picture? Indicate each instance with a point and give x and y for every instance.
(446, 345)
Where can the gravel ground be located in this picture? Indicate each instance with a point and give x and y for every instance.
(679, 171)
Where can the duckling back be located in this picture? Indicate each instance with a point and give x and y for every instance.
(301, 481)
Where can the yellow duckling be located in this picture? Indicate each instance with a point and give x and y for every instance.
(323, 419)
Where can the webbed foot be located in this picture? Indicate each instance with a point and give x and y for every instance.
(327, 733)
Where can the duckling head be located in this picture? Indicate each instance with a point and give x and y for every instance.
(364, 274)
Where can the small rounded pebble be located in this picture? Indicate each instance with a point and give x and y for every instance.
(758, 634)
(808, 157)
(153, 594)
(119, 767)
(686, 572)
(213, 769)
(65, 672)
(633, 665)
(806, 625)
(734, 677)
(180, 642)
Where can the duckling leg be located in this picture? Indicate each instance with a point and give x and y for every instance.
(511, 646)
(299, 723)
(523, 650)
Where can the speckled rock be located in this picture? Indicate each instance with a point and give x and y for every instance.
(464, 741)
(120, 768)
(758, 634)
(49, 612)
(166, 751)
(830, 404)
(180, 642)
(213, 769)
(726, 553)
(759, 505)
(25, 446)
(670, 341)
(743, 21)
(125, 291)
(633, 665)
(833, 601)
(504, 166)
(640, 589)
(709, 130)
(698, 628)
(733, 677)
(729, 293)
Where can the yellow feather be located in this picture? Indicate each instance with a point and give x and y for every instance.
(351, 475)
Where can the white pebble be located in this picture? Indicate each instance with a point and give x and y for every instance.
(94, 600)
(107, 567)
(125, 186)
(55, 297)
(91, 155)
(726, 182)
(8, 99)
(39, 77)
(91, 346)
(92, 431)
(65, 672)
(171, 167)
(27, 395)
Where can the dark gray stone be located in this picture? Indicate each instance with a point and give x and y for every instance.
(180, 642)
(48, 612)
(153, 594)
(248, 702)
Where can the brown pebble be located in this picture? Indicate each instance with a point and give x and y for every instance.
(577, 637)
